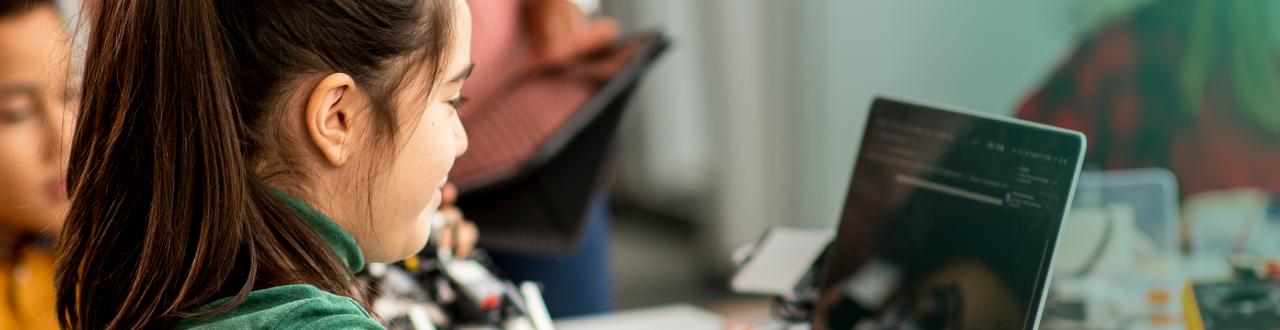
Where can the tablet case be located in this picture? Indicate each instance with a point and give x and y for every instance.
(529, 177)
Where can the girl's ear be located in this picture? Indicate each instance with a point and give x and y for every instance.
(330, 116)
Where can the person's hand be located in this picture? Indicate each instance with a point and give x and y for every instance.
(457, 234)
(562, 32)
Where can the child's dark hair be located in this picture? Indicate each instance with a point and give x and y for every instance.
(19, 7)
(177, 141)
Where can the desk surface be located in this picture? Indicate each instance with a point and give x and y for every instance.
(680, 316)
(735, 314)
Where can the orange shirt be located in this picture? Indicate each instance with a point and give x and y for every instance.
(26, 290)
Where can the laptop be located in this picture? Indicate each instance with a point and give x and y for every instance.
(950, 221)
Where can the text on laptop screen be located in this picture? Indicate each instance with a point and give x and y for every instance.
(949, 222)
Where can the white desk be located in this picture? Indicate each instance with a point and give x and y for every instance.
(680, 316)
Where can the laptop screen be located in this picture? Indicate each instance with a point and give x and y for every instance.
(949, 222)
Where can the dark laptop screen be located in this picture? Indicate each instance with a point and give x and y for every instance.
(949, 222)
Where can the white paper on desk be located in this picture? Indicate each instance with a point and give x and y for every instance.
(680, 316)
(781, 260)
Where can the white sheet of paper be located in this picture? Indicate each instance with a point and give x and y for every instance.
(681, 316)
(783, 257)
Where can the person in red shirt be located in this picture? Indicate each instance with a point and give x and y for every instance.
(1192, 86)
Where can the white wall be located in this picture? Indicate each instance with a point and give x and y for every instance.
(704, 138)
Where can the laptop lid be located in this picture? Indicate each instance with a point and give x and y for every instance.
(950, 221)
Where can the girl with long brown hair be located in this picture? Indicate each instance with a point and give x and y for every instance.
(237, 161)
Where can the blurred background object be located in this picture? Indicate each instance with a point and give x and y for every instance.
(546, 103)
(1118, 260)
(753, 119)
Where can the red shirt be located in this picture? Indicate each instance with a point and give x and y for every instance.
(1120, 89)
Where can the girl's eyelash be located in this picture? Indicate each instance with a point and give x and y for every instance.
(459, 101)
(10, 116)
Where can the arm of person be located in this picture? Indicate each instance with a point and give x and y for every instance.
(562, 31)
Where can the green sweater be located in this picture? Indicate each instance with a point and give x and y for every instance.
(297, 306)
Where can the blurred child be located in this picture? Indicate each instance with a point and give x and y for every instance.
(36, 101)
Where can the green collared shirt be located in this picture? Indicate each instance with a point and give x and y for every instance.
(297, 306)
